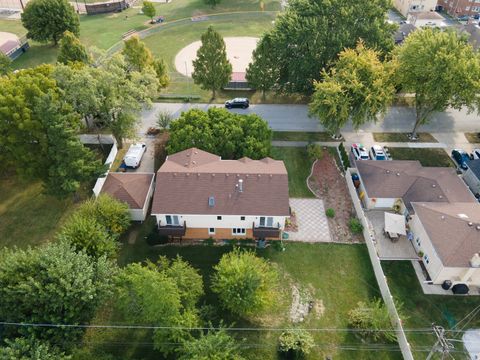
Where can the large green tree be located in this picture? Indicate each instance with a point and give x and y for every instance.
(149, 10)
(211, 68)
(262, 73)
(358, 87)
(221, 132)
(308, 36)
(5, 63)
(72, 50)
(30, 349)
(38, 133)
(245, 283)
(441, 69)
(47, 20)
(51, 284)
(215, 345)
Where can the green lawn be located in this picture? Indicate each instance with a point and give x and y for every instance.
(423, 310)
(426, 156)
(298, 167)
(403, 137)
(309, 136)
(337, 277)
(473, 138)
(28, 217)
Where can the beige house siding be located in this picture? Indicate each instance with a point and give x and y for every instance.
(407, 6)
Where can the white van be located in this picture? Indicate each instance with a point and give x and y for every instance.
(133, 157)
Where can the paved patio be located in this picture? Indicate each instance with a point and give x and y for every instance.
(386, 249)
(311, 220)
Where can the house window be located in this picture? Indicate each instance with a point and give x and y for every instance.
(266, 221)
(211, 231)
(239, 231)
(219, 217)
(425, 257)
(242, 218)
(172, 219)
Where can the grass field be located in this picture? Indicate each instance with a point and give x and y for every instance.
(309, 136)
(298, 167)
(337, 276)
(423, 310)
(426, 156)
(27, 216)
(403, 137)
(473, 138)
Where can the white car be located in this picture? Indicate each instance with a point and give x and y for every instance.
(476, 154)
(133, 157)
(377, 153)
(359, 152)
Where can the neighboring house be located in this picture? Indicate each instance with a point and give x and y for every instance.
(385, 183)
(473, 33)
(472, 176)
(406, 7)
(238, 82)
(12, 46)
(458, 8)
(198, 195)
(427, 19)
(447, 235)
(135, 189)
(402, 32)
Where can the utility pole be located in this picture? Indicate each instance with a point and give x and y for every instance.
(442, 345)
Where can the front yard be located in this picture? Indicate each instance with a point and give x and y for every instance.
(426, 156)
(403, 137)
(335, 277)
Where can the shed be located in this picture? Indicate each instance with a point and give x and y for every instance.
(135, 189)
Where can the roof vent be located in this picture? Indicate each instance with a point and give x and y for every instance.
(398, 174)
(477, 227)
(240, 185)
(195, 152)
(440, 196)
(211, 201)
(227, 175)
(259, 175)
(475, 260)
(198, 174)
(188, 174)
(194, 162)
(470, 223)
(213, 175)
(463, 216)
(434, 186)
(388, 171)
(442, 217)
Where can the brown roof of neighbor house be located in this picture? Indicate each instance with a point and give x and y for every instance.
(412, 182)
(453, 229)
(188, 179)
(131, 188)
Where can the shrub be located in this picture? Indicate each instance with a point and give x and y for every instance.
(296, 342)
(245, 283)
(370, 318)
(209, 242)
(330, 213)
(164, 118)
(344, 156)
(355, 226)
(314, 151)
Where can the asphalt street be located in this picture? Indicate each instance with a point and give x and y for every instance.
(295, 118)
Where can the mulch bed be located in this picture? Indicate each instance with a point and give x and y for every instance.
(328, 184)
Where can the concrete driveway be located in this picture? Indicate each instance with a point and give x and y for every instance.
(311, 220)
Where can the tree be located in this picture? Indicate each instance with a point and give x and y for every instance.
(5, 63)
(72, 50)
(212, 3)
(47, 20)
(441, 69)
(86, 234)
(136, 53)
(357, 87)
(215, 345)
(211, 68)
(160, 67)
(149, 10)
(221, 132)
(308, 36)
(372, 319)
(52, 284)
(39, 133)
(296, 342)
(245, 283)
(262, 73)
(30, 349)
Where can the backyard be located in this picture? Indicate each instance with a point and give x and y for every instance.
(426, 156)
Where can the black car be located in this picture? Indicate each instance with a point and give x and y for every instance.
(242, 103)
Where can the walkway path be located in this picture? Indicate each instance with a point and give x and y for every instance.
(311, 220)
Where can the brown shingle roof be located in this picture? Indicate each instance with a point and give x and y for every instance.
(412, 182)
(131, 188)
(187, 180)
(452, 229)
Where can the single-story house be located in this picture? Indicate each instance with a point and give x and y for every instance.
(385, 184)
(135, 189)
(447, 237)
(198, 195)
(472, 176)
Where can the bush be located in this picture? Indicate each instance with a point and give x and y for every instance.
(314, 151)
(164, 118)
(370, 318)
(344, 156)
(296, 342)
(209, 242)
(355, 226)
(330, 213)
(245, 283)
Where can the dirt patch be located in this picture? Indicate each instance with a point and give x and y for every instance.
(304, 303)
(328, 183)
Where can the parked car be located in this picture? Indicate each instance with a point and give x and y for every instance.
(242, 103)
(359, 152)
(377, 153)
(158, 20)
(475, 154)
(133, 157)
(463, 18)
(461, 158)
